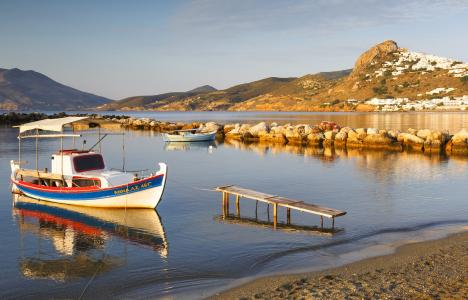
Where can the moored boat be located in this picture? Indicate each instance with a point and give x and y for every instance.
(79, 177)
(190, 135)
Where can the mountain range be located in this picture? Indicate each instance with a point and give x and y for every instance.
(384, 71)
(30, 90)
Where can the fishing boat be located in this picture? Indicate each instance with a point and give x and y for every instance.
(189, 135)
(80, 177)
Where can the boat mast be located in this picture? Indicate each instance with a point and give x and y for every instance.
(61, 152)
(99, 138)
(37, 147)
(19, 150)
(123, 152)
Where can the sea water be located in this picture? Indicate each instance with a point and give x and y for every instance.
(187, 249)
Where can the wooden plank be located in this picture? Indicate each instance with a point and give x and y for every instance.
(245, 193)
(281, 201)
(38, 174)
(315, 209)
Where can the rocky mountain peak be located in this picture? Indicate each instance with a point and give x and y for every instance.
(379, 51)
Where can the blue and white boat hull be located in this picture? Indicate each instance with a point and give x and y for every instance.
(144, 193)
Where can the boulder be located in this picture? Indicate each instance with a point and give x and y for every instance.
(234, 133)
(138, 123)
(361, 130)
(381, 141)
(340, 138)
(382, 131)
(273, 137)
(436, 141)
(459, 143)
(316, 129)
(315, 138)
(294, 135)
(278, 129)
(345, 129)
(229, 127)
(355, 139)
(259, 129)
(326, 126)
(244, 128)
(423, 133)
(460, 138)
(411, 141)
(412, 131)
(393, 134)
(329, 138)
(372, 131)
(209, 127)
(330, 135)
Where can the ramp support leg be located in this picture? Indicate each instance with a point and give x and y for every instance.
(275, 214)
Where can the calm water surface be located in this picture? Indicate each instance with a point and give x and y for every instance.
(187, 250)
(452, 121)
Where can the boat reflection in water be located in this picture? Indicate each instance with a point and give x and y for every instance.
(190, 146)
(79, 236)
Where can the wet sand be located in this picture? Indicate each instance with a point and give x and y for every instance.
(435, 269)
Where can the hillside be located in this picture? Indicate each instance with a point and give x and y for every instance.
(23, 90)
(387, 71)
(304, 87)
(383, 71)
(155, 101)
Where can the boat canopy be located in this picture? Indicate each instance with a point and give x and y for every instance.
(50, 124)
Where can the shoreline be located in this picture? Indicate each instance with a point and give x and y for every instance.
(323, 135)
(424, 269)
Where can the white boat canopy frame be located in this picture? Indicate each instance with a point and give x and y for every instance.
(56, 125)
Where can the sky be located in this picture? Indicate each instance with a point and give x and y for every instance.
(118, 49)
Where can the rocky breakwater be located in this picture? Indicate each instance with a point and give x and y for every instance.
(326, 134)
(161, 126)
(329, 134)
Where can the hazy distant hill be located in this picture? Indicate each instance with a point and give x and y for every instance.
(21, 90)
(383, 71)
(154, 101)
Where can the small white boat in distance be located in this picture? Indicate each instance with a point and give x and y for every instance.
(189, 135)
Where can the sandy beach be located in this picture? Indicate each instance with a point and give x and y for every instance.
(436, 269)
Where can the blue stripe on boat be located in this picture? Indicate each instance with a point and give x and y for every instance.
(93, 195)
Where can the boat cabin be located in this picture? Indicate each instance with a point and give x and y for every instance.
(80, 169)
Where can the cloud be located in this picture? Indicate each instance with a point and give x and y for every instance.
(240, 17)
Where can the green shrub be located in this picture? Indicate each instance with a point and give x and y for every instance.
(380, 90)
(387, 73)
(464, 79)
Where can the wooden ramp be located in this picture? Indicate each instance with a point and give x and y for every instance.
(276, 201)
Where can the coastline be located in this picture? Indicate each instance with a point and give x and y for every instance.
(427, 269)
(324, 134)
